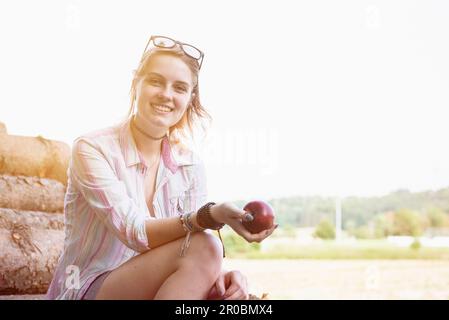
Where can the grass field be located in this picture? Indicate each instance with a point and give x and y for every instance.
(296, 248)
(332, 250)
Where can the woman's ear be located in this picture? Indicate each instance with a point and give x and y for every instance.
(192, 96)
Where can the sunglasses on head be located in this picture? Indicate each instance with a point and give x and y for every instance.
(168, 43)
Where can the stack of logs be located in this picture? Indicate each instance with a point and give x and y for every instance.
(33, 178)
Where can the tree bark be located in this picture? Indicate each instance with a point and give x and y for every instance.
(34, 157)
(31, 193)
(30, 246)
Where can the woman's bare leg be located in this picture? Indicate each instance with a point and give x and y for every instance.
(161, 273)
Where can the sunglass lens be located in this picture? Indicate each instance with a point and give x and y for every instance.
(191, 51)
(163, 42)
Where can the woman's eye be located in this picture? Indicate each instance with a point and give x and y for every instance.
(154, 81)
(181, 89)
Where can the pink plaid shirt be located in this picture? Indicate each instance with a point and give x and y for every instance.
(105, 208)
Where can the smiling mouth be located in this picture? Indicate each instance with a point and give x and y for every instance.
(161, 108)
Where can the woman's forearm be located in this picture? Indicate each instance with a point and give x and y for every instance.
(162, 231)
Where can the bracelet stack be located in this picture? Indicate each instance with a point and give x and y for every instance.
(204, 220)
(186, 220)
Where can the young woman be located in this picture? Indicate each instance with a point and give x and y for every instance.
(137, 218)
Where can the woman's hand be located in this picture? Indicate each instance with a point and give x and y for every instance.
(230, 285)
(231, 215)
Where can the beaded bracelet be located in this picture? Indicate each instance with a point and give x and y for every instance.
(206, 220)
(189, 228)
(186, 220)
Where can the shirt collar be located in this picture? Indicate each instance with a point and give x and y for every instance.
(174, 156)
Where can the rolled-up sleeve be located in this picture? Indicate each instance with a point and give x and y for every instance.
(106, 195)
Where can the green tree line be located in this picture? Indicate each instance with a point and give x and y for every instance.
(399, 213)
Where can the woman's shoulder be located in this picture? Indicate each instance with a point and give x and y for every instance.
(100, 136)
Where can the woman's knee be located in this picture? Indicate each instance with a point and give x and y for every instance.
(206, 251)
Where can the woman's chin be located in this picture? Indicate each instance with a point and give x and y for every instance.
(154, 121)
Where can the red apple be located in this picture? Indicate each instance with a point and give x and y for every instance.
(263, 216)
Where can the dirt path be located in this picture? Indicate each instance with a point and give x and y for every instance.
(346, 279)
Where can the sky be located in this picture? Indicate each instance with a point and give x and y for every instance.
(330, 98)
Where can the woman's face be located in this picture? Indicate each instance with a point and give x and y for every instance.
(164, 92)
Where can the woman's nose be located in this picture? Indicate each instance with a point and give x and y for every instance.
(165, 93)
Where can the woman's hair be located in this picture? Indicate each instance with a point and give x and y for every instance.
(195, 112)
